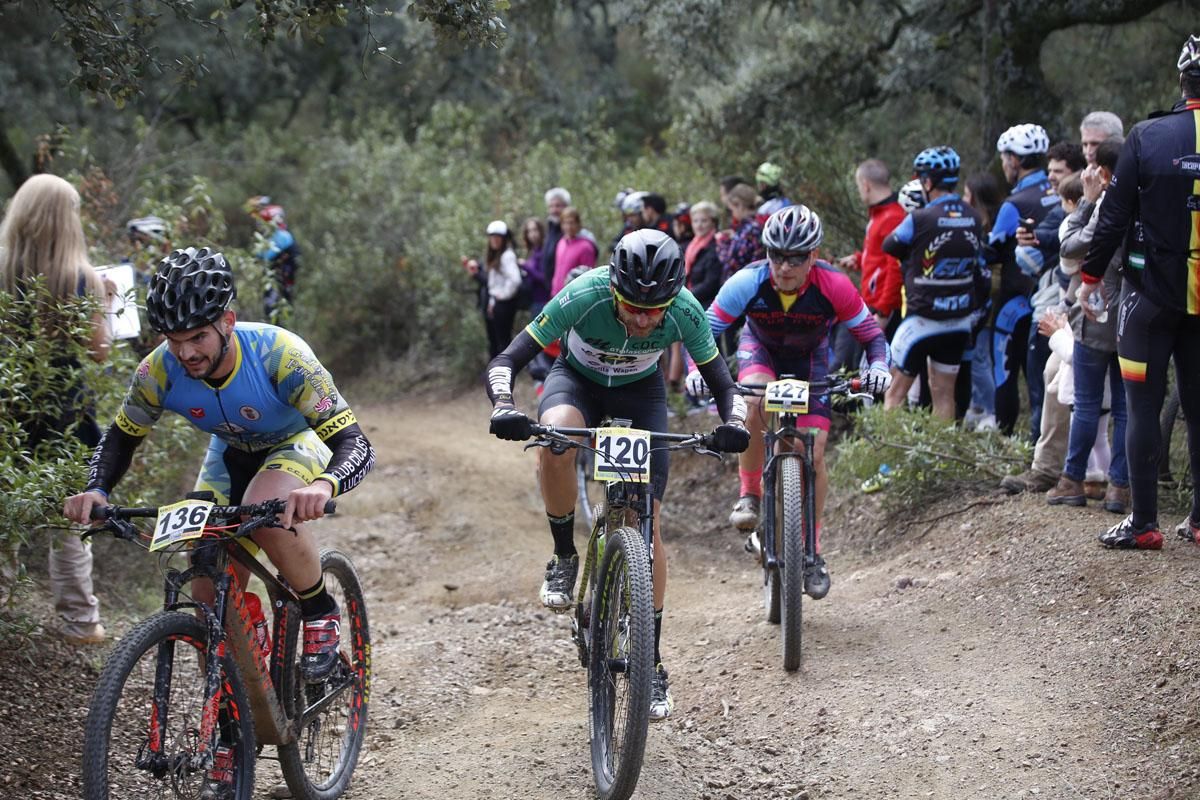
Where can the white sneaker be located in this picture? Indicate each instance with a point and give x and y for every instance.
(986, 423)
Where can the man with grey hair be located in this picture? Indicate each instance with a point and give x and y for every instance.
(1097, 127)
(557, 199)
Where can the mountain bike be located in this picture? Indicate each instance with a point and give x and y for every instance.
(190, 689)
(787, 529)
(613, 625)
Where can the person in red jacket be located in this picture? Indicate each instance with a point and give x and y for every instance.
(881, 278)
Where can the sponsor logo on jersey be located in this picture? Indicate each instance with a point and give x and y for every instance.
(197, 413)
(323, 405)
(332, 426)
(143, 369)
(1189, 164)
(251, 413)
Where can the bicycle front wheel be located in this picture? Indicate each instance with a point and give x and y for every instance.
(128, 751)
(622, 663)
(319, 765)
(790, 526)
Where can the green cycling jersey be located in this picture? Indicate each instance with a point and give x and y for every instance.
(597, 345)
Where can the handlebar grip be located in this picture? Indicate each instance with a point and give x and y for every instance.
(101, 512)
(330, 506)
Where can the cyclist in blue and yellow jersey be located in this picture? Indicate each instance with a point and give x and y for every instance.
(279, 427)
(791, 301)
(1022, 150)
(1153, 205)
(614, 323)
(940, 248)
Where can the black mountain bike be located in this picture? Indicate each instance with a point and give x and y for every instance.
(787, 531)
(613, 625)
(193, 679)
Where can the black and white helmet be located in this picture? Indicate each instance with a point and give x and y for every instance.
(647, 269)
(150, 227)
(190, 289)
(1023, 140)
(911, 196)
(794, 229)
(1189, 57)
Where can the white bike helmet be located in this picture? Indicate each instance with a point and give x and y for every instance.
(911, 196)
(1025, 139)
(1189, 57)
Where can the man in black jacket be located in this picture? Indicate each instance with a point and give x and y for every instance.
(1153, 205)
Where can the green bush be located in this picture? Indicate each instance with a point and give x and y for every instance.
(930, 459)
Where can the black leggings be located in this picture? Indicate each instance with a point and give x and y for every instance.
(1008, 396)
(1147, 337)
(500, 325)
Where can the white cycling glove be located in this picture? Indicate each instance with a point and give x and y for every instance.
(877, 378)
(695, 384)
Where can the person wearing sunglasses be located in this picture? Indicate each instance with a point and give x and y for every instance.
(791, 301)
(614, 323)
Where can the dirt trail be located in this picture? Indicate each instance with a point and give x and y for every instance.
(996, 656)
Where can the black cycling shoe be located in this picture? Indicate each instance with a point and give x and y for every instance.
(816, 579)
(1125, 536)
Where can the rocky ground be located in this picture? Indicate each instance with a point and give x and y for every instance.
(997, 652)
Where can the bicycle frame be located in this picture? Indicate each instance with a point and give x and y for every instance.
(230, 625)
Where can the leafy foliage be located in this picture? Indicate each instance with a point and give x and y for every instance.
(929, 458)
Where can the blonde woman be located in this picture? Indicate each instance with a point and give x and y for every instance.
(42, 236)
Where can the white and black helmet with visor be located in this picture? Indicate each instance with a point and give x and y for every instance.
(793, 230)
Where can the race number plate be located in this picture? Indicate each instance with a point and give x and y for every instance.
(787, 396)
(622, 454)
(179, 522)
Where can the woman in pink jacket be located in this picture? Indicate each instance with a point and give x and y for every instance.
(575, 249)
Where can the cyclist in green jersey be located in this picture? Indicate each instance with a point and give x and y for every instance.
(614, 323)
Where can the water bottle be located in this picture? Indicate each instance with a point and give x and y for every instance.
(1099, 307)
(262, 633)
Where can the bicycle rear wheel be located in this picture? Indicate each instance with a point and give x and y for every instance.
(127, 753)
(622, 663)
(790, 525)
(319, 765)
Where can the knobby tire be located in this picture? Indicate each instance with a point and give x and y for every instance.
(118, 721)
(791, 524)
(622, 624)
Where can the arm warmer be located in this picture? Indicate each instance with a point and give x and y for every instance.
(730, 404)
(111, 459)
(500, 371)
(351, 460)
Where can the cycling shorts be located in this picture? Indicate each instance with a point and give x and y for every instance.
(759, 364)
(942, 341)
(643, 402)
(227, 471)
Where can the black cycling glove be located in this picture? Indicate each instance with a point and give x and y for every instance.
(509, 423)
(729, 438)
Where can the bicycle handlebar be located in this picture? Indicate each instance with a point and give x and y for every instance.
(267, 508)
(700, 442)
(847, 386)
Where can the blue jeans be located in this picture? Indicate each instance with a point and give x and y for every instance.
(1091, 367)
(983, 385)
